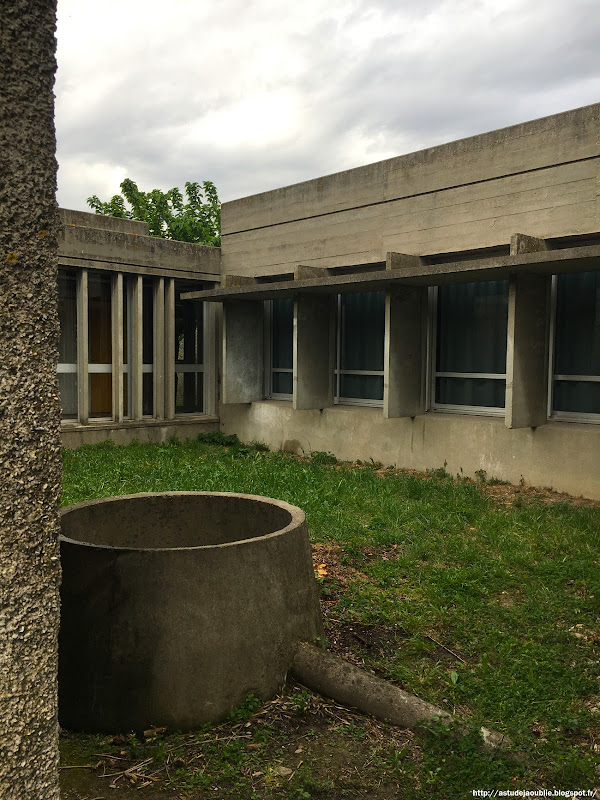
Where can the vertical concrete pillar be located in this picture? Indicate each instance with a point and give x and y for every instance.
(242, 351)
(30, 466)
(404, 358)
(527, 350)
(313, 351)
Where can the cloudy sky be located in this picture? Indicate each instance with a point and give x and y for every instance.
(257, 94)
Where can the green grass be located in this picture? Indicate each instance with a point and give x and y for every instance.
(433, 561)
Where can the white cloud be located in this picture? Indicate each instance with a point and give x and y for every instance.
(254, 95)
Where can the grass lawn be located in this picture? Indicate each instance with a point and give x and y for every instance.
(478, 597)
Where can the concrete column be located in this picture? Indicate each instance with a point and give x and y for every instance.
(242, 351)
(404, 358)
(30, 465)
(313, 351)
(527, 351)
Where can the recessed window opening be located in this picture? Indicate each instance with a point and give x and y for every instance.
(67, 345)
(280, 341)
(470, 347)
(189, 353)
(575, 384)
(99, 344)
(360, 349)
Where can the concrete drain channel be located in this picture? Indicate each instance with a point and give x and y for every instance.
(177, 605)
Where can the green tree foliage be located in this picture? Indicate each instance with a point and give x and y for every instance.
(197, 218)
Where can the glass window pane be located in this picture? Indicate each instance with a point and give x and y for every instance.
(67, 385)
(577, 396)
(471, 392)
(577, 338)
(148, 321)
(362, 331)
(283, 383)
(67, 314)
(282, 335)
(363, 387)
(188, 392)
(471, 327)
(67, 346)
(189, 343)
(147, 394)
(100, 343)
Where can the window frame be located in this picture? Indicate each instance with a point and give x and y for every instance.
(452, 408)
(269, 393)
(338, 398)
(557, 415)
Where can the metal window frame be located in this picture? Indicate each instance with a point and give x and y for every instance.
(268, 346)
(452, 408)
(555, 415)
(127, 359)
(203, 368)
(338, 398)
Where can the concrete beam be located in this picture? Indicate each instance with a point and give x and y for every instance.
(303, 271)
(236, 280)
(242, 352)
(521, 243)
(527, 350)
(313, 351)
(402, 261)
(404, 358)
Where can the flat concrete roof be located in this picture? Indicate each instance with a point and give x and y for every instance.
(568, 259)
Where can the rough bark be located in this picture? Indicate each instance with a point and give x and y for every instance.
(30, 468)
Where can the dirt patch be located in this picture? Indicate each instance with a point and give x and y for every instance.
(297, 745)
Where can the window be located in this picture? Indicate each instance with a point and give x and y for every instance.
(67, 346)
(112, 346)
(99, 344)
(575, 387)
(189, 352)
(360, 348)
(280, 338)
(470, 347)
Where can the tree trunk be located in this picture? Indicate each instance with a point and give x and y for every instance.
(30, 470)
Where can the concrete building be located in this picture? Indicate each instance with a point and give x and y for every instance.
(439, 308)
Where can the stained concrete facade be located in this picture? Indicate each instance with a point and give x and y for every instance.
(124, 255)
(519, 204)
(29, 410)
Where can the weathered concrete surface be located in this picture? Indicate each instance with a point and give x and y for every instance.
(346, 684)
(527, 350)
(86, 219)
(314, 351)
(113, 245)
(29, 408)
(242, 352)
(561, 455)
(146, 430)
(539, 176)
(176, 606)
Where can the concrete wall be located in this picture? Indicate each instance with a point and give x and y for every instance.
(561, 455)
(30, 469)
(540, 177)
(91, 240)
(151, 430)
